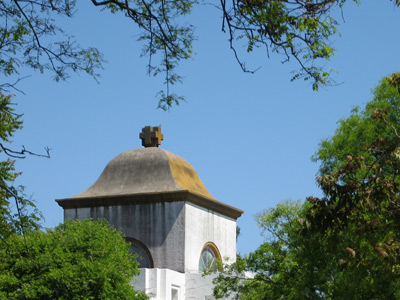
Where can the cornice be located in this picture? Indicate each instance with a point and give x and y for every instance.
(147, 198)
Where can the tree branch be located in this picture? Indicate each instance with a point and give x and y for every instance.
(23, 153)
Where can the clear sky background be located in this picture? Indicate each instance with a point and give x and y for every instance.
(250, 137)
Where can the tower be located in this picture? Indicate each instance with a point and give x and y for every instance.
(173, 223)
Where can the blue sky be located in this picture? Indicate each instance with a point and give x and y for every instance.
(250, 137)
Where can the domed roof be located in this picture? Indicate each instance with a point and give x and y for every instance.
(148, 175)
(146, 170)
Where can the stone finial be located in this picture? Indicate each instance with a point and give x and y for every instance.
(151, 136)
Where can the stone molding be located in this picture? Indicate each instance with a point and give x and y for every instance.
(145, 198)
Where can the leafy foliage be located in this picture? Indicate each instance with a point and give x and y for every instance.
(359, 176)
(27, 39)
(345, 245)
(25, 215)
(293, 264)
(30, 37)
(164, 36)
(284, 267)
(299, 30)
(296, 29)
(76, 260)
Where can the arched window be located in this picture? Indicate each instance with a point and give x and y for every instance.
(143, 254)
(209, 257)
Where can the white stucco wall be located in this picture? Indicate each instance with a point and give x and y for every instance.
(162, 284)
(174, 232)
(203, 226)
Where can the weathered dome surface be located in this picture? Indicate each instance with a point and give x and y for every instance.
(146, 170)
(148, 175)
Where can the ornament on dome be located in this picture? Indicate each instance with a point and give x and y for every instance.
(151, 136)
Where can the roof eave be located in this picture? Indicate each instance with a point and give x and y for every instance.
(145, 198)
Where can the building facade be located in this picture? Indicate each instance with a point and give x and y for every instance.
(175, 226)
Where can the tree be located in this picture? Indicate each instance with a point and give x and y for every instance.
(29, 36)
(360, 177)
(27, 39)
(25, 216)
(294, 265)
(76, 260)
(299, 30)
(345, 245)
(273, 270)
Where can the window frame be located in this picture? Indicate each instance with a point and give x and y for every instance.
(143, 247)
(214, 250)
